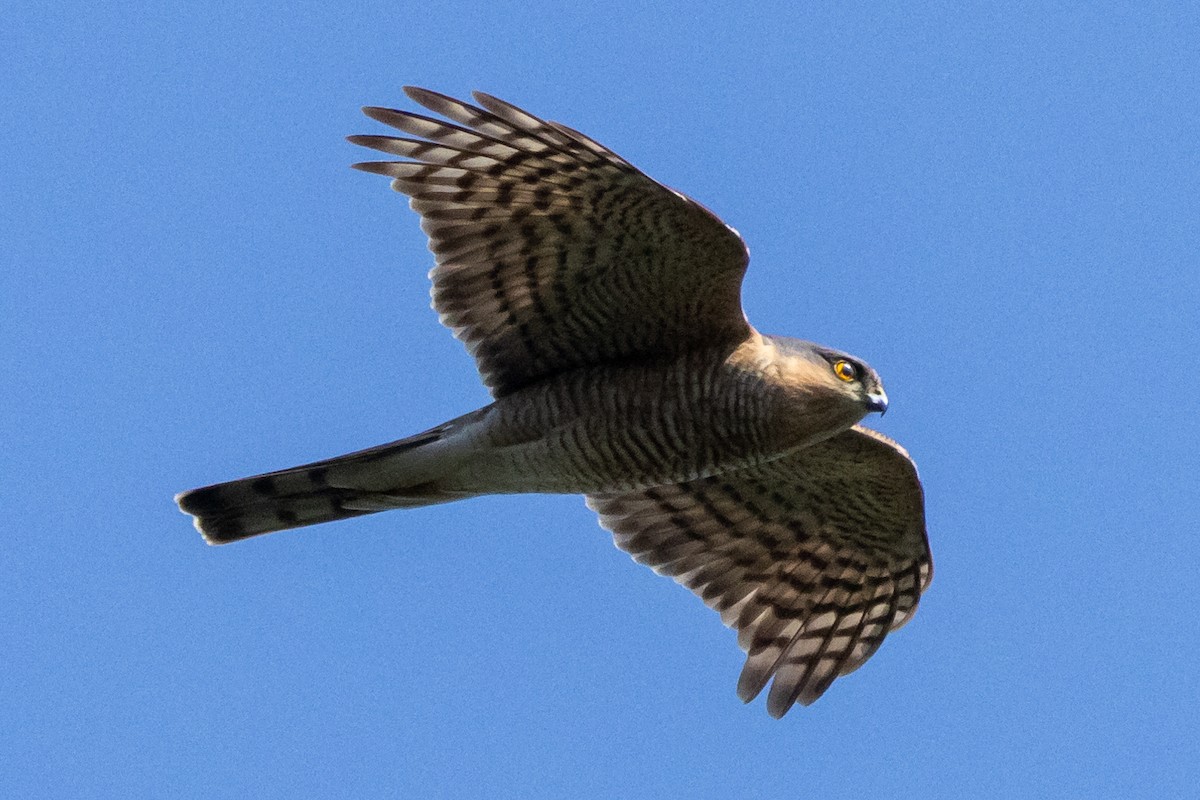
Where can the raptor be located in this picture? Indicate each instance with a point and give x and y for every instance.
(603, 311)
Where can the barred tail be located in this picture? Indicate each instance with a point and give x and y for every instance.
(397, 475)
(221, 517)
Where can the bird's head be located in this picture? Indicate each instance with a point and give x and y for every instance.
(841, 385)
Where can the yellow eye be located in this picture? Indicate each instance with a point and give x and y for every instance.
(846, 371)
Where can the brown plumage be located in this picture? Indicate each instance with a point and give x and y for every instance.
(603, 311)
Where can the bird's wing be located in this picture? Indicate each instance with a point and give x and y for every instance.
(812, 558)
(552, 251)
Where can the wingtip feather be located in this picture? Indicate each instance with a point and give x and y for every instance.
(381, 114)
(374, 167)
(427, 97)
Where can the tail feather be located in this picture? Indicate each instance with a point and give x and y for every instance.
(229, 523)
(324, 491)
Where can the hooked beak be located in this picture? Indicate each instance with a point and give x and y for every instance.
(877, 401)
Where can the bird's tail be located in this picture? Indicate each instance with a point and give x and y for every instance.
(402, 474)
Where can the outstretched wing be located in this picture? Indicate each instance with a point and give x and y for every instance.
(552, 251)
(812, 558)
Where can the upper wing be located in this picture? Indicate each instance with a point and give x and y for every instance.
(552, 251)
(813, 558)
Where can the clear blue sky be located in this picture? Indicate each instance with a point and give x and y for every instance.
(997, 205)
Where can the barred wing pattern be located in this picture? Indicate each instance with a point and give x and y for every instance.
(812, 558)
(552, 251)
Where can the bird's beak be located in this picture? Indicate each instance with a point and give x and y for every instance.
(877, 401)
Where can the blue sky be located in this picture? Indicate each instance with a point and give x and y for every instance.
(996, 205)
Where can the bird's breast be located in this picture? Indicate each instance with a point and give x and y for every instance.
(628, 426)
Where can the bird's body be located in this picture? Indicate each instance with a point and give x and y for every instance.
(613, 428)
(607, 428)
(603, 312)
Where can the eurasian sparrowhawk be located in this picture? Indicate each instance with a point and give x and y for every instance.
(603, 310)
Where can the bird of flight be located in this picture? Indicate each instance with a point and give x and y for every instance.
(603, 311)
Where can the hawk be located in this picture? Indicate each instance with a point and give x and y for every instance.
(603, 310)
